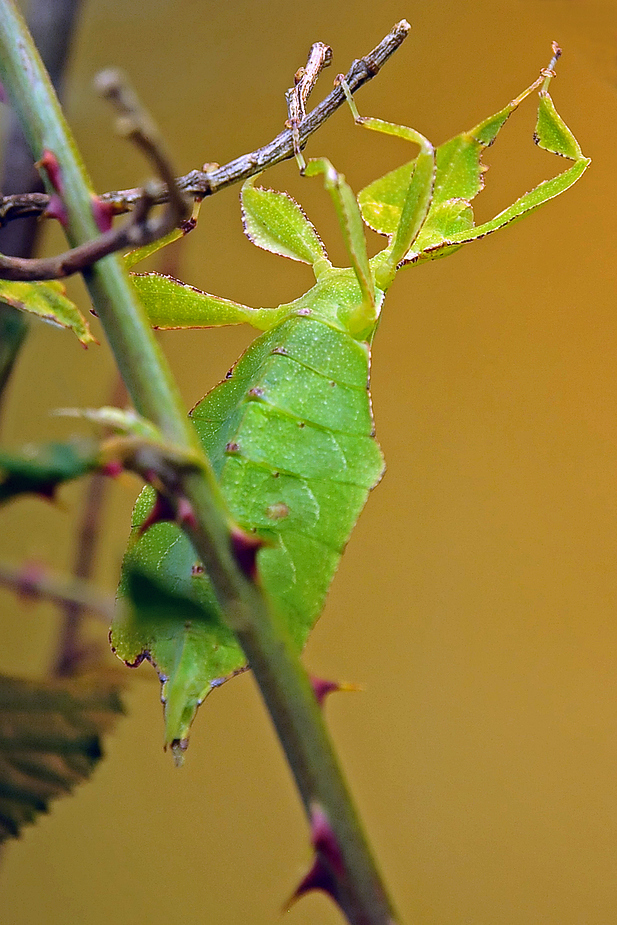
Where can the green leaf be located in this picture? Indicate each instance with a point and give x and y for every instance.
(50, 740)
(49, 302)
(40, 469)
(275, 222)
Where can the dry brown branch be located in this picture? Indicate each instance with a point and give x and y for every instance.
(135, 124)
(200, 183)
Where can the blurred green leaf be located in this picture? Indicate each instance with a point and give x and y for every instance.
(118, 420)
(40, 469)
(50, 740)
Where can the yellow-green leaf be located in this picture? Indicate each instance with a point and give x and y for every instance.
(48, 300)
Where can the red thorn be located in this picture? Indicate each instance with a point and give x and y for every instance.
(161, 510)
(29, 579)
(113, 469)
(328, 866)
(317, 878)
(325, 841)
(245, 548)
(322, 687)
(103, 213)
(186, 514)
(49, 163)
(56, 209)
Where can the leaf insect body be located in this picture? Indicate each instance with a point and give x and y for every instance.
(290, 431)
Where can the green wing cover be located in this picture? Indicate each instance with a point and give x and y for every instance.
(290, 435)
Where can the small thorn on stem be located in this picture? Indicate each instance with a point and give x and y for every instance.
(324, 840)
(113, 469)
(50, 164)
(103, 213)
(322, 687)
(186, 513)
(328, 864)
(317, 878)
(245, 548)
(161, 511)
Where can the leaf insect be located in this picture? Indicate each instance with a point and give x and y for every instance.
(290, 431)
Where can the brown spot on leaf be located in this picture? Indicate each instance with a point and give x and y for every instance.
(277, 511)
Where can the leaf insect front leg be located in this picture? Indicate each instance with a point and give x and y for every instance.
(418, 196)
(352, 227)
(416, 205)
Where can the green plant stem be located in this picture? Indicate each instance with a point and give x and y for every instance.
(283, 683)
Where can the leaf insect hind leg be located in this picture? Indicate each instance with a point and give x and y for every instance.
(419, 193)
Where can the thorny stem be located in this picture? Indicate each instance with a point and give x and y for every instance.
(52, 27)
(142, 228)
(283, 683)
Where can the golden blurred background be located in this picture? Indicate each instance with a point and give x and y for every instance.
(477, 600)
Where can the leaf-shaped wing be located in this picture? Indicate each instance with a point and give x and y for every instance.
(290, 437)
(170, 618)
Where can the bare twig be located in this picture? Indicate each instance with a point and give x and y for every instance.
(33, 581)
(70, 649)
(135, 124)
(200, 183)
